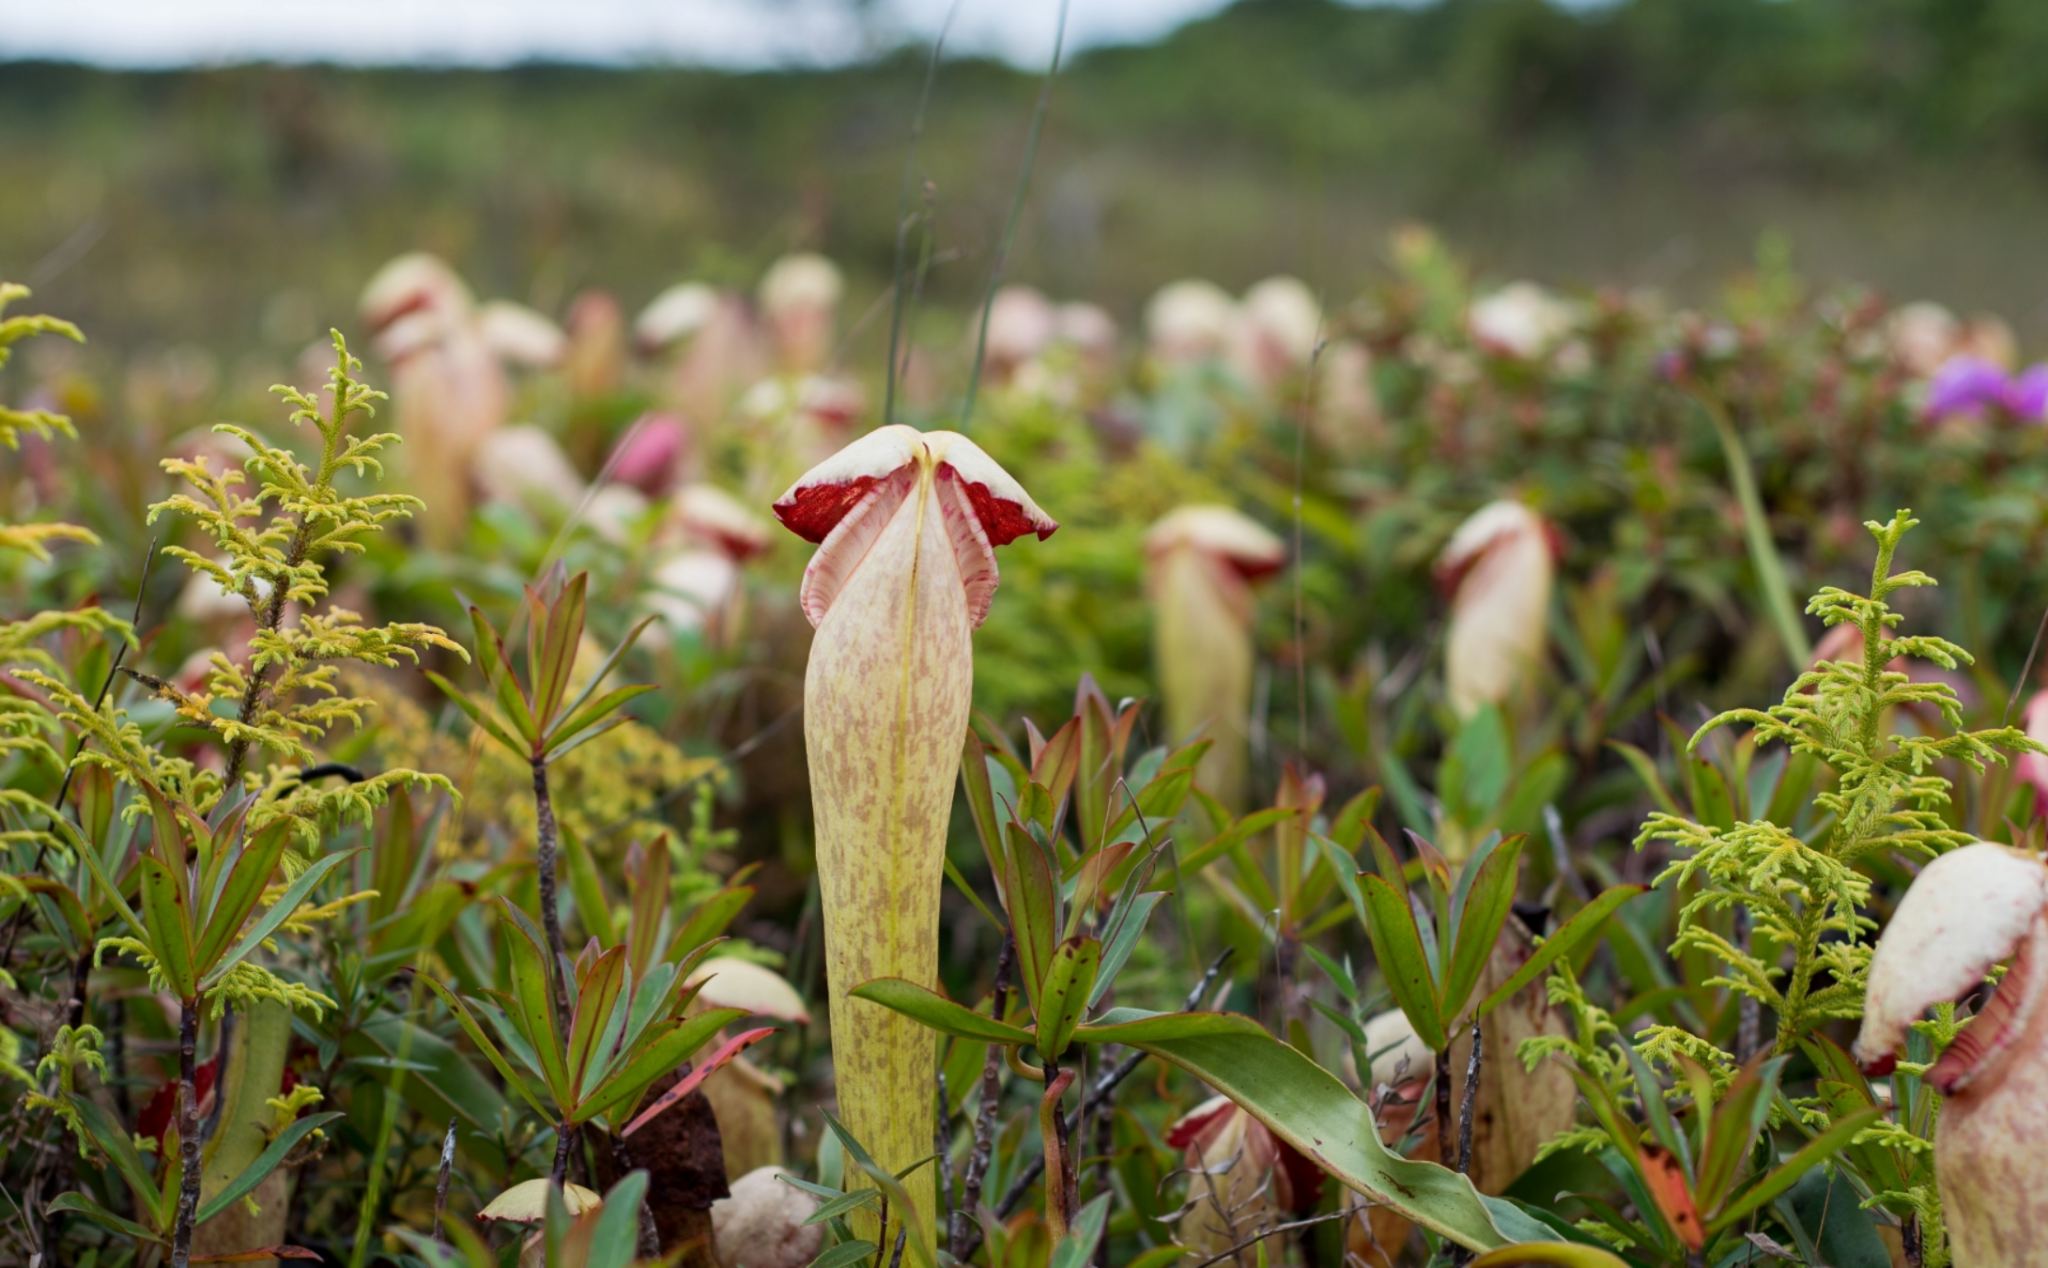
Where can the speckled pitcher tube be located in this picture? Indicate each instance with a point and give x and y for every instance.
(906, 524)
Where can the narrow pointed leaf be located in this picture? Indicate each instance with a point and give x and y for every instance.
(1404, 962)
(940, 1013)
(267, 923)
(1583, 924)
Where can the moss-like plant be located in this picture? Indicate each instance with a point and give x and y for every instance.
(1807, 894)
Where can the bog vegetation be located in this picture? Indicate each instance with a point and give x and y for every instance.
(1460, 773)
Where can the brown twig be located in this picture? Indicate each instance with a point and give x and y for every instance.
(961, 1228)
(1099, 1094)
(1272, 1231)
(548, 838)
(188, 1133)
(1467, 1102)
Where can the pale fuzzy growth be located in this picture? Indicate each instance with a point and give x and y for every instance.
(802, 280)
(1520, 320)
(1189, 321)
(761, 1225)
(1921, 336)
(1499, 565)
(800, 299)
(1965, 914)
(1201, 564)
(521, 336)
(594, 358)
(1021, 325)
(1347, 404)
(705, 514)
(1087, 327)
(448, 388)
(412, 283)
(906, 524)
(1280, 322)
(614, 512)
(675, 315)
(523, 465)
(695, 590)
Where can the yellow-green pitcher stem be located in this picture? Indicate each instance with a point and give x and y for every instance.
(904, 572)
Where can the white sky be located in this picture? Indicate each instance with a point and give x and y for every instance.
(738, 33)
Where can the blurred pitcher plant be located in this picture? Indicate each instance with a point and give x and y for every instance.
(1202, 562)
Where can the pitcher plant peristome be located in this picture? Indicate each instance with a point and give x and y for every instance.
(906, 522)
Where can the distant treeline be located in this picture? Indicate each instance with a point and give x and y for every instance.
(1902, 141)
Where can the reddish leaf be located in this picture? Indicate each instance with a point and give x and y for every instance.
(726, 1052)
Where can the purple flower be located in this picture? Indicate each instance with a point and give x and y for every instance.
(1970, 387)
(2026, 395)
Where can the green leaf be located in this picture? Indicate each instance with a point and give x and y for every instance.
(1312, 1110)
(1077, 1248)
(651, 1059)
(551, 649)
(1733, 1130)
(80, 1204)
(981, 804)
(565, 747)
(1756, 531)
(114, 1141)
(492, 1053)
(169, 928)
(267, 923)
(1477, 767)
(600, 1002)
(1127, 930)
(712, 916)
(476, 713)
(1033, 897)
(931, 1008)
(1479, 908)
(1397, 945)
(1645, 768)
(1063, 1001)
(1584, 923)
(240, 890)
(1815, 1152)
(610, 662)
(591, 907)
(615, 1242)
(503, 682)
(560, 740)
(528, 959)
(1545, 1254)
(901, 1207)
(266, 1162)
(845, 1254)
